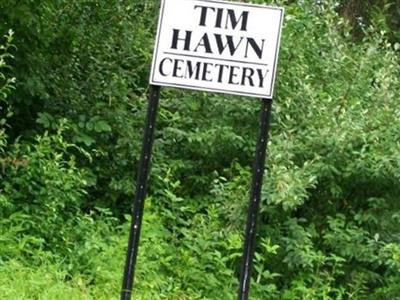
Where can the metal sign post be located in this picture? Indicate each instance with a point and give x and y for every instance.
(215, 46)
(141, 184)
(255, 197)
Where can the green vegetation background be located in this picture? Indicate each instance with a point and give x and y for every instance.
(73, 83)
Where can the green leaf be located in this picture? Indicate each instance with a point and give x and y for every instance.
(102, 126)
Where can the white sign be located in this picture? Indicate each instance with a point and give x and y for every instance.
(217, 46)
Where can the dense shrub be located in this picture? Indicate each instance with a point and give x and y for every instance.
(329, 219)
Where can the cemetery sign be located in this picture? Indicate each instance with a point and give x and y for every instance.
(217, 46)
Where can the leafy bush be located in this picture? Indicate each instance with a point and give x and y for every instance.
(329, 219)
(6, 86)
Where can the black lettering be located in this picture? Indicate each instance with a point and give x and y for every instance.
(203, 13)
(247, 76)
(257, 49)
(218, 20)
(234, 22)
(262, 76)
(232, 75)
(177, 68)
(206, 72)
(176, 38)
(229, 42)
(221, 71)
(204, 42)
(190, 70)
(162, 65)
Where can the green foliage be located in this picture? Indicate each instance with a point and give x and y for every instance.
(70, 134)
(6, 83)
(6, 86)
